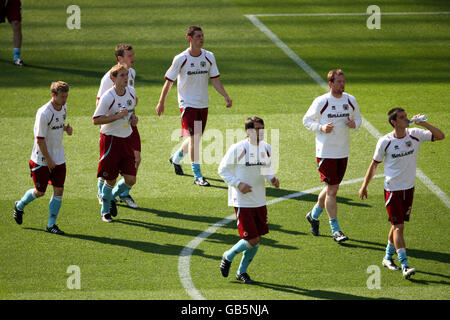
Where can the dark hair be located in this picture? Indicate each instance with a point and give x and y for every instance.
(121, 47)
(392, 114)
(191, 30)
(250, 122)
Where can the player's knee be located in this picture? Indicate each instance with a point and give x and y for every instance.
(332, 190)
(130, 180)
(38, 193)
(58, 191)
(253, 242)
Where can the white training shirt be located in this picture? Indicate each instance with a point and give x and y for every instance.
(400, 157)
(248, 163)
(110, 103)
(107, 83)
(49, 125)
(325, 109)
(192, 74)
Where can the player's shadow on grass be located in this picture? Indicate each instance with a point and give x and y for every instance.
(310, 197)
(414, 253)
(198, 218)
(319, 294)
(213, 237)
(144, 246)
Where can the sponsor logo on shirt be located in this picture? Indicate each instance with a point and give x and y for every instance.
(57, 127)
(402, 154)
(338, 115)
(189, 73)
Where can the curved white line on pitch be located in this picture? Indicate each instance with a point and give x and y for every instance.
(184, 260)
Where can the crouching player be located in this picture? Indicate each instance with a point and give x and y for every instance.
(244, 168)
(48, 162)
(115, 114)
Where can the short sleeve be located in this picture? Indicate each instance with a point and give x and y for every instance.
(41, 125)
(380, 149)
(175, 68)
(104, 104)
(213, 70)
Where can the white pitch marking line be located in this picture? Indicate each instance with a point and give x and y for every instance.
(345, 14)
(313, 74)
(184, 260)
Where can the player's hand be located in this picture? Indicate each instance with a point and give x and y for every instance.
(134, 120)
(351, 123)
(228, 101)
(275, 182)
(123, 112)
(50, 164)
(244, 188)
(69, 130)
(363, 193)
(327, 128)
(160, 108)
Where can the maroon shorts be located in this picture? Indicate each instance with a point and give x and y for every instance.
(135, 139)
(332, 171)
(42, 176)
(398, 205)
(192, 119)
(252, 222)
(11, 9)
(116, 155)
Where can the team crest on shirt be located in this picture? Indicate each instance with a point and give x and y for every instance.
(245, 233)
(129, 102)
(345, 106)
(408, 143)
(203, 64)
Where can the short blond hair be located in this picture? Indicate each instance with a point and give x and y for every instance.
(59, 86)
(333, 73)
(118, 67)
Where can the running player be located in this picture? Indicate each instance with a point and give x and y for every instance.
(332, 117)
(115, 114)
(243, 168)
(193, 67)
(399, 149)
(48, 162)
(124, 55)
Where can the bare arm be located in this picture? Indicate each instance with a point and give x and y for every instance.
(437, 134)
(369, 175)
(111, 118)
(43, 147)
(219, 87)
(162, 100)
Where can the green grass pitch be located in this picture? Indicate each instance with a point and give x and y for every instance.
(405, 63)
